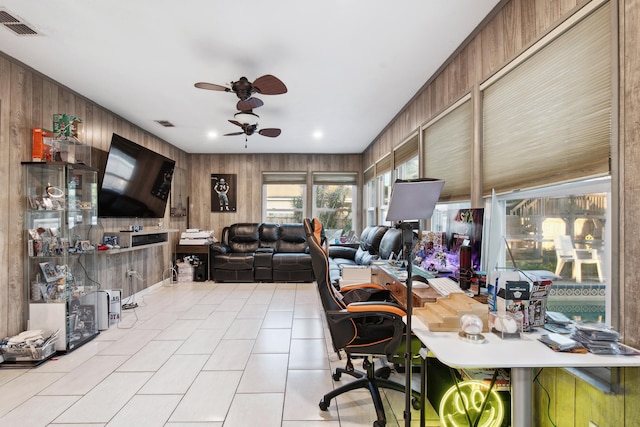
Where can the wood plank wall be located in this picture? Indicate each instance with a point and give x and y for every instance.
(516, 26)
(27, 100)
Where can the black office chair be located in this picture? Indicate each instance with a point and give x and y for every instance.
(362, 329)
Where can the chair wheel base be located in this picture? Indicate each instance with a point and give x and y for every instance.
(415, 403)
(324, 406)
(384, 372)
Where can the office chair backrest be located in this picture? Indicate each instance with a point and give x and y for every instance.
(346, 331)
(376, 337)
(330, 297)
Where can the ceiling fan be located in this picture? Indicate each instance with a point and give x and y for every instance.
(249, 129)
(244, 89)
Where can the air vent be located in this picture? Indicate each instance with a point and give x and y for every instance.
(165, 123)
(7, 18)
(16, 25)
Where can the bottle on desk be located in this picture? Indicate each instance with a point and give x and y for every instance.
(466, 272)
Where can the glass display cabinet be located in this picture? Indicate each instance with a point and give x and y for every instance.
(61, 227)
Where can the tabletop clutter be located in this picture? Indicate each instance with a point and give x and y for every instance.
(517, 304)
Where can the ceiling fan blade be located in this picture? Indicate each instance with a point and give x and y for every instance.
(269, 85)
(211, 86)
(233, 133)
(249, 104)
(270, 132)
(235, 122)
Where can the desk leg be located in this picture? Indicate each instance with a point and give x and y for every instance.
(521, 399)
(423, 390)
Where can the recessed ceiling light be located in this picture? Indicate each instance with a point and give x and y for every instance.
(212, 134)
(317, 134)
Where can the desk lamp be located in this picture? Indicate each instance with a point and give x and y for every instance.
(411, 200)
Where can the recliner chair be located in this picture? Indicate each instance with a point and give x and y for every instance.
(363, 329)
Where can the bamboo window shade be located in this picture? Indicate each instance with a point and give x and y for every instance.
(284, 177)
(383, 165)
(333, 178)
(549, 119)
(447, 152)
(405, 152)
(369, 174)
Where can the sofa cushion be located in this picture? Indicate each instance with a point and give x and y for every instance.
(243, 238)
(233, 261)
(292, 239)
(269, 233)
(371, 237)
(365, 257)
(292, 261)
(391, 243)
(292, 267)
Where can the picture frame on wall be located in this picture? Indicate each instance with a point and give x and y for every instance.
(224, 193)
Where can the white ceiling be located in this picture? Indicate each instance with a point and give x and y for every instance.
(349, 65)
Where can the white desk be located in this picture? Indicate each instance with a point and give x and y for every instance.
(521, 355)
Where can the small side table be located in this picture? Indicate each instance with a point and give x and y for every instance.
(199, 250)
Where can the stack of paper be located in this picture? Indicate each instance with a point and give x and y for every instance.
(194, 236)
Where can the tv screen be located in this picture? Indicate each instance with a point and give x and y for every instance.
(136, 181)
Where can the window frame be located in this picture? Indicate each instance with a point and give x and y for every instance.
(349, 179)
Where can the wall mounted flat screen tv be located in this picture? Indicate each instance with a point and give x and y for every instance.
(136, 181)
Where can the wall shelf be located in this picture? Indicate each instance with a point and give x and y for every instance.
(136, 240)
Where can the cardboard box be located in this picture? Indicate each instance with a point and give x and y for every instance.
(39, 150)
(514, 298)
(522, 292)
(66, 126)
(538, 302)
(356, 274)
(115, 305)
(185, 272)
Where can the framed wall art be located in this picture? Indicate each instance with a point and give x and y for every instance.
(223, 192)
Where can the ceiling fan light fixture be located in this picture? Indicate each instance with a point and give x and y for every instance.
(247, 117)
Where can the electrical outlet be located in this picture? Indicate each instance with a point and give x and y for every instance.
(592, 424)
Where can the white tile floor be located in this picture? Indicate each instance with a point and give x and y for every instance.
(200, 355)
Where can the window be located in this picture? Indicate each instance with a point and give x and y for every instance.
(284, 197)
(370, 202)
(405, 159)
(442, 212)
(334, 195)
(408, 170)
(532, 220)
(447, 143)
(384, 193)
(555, 106)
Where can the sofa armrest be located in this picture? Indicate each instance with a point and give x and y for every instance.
(265, 250)
(219, 248)
(345, 252)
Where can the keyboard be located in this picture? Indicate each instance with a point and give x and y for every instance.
(445, 286)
